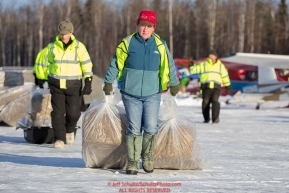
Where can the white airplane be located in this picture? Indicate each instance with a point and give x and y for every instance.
(267, 87)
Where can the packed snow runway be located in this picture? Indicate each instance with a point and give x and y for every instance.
(248, 151)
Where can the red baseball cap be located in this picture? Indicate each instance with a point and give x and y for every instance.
(147, 15)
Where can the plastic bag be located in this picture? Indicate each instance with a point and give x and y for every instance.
(40, 108)
(176, 144)
(38, 111)
(24, 122)
(104, 133)
(14, 110)
(8, 94)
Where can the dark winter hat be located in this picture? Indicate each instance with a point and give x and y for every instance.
(65, 27)
(213, 52)
(191, 61)
(147, 15)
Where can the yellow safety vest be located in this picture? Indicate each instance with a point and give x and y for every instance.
(122, 54)
(41, 65)
(211, 73)
(74, 63)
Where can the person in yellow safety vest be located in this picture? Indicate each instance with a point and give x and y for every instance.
(69, 63)
(40, 68)
(213, 74)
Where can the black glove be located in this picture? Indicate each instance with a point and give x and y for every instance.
(87, 86)
(174, 90)
(35, 79)
(107, 88)
(38, 82)
(228, 88)
(41, 83)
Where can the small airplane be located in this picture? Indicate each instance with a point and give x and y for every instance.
(259, 77)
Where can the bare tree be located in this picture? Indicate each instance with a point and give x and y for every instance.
(4, 19)
(241, 26)
(171, 28)
(281, 35)
(212, 21)
(41, 17)
(190, 27)
(147, 4)
(68, 4)
(251, 24)
(231, 30)
(128, 17)
(201, 14)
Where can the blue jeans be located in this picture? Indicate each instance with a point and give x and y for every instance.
(142, 114)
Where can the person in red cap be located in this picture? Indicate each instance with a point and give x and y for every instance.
(144, 68)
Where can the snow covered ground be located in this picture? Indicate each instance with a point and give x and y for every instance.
(248, 151)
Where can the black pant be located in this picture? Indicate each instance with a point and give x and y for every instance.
(211, 96)
(66, 110)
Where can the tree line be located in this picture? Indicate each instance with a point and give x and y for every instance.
(229, 26)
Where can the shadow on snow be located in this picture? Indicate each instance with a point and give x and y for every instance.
(43, 161)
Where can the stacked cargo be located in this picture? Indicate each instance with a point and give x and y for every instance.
(14, 96)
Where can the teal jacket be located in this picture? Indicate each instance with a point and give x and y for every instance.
(141, 72)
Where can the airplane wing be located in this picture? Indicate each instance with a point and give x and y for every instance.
(265, 63)
(268, 60)
(267, 87)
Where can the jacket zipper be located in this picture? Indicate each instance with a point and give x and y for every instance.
(145, 44)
